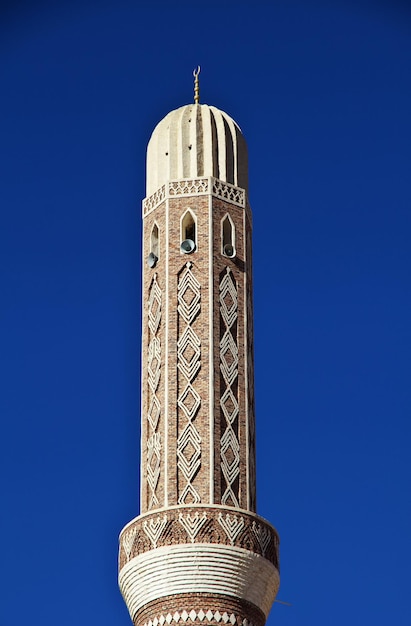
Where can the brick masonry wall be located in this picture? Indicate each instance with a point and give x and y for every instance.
(198, 431)
(158, 216)
(237, 266)
(172, 382)
(199, 262)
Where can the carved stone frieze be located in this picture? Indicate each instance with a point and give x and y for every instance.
(194, 187)
(154, 200)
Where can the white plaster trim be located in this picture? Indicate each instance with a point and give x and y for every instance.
(211, 343)
(166, 238)
(198, 568)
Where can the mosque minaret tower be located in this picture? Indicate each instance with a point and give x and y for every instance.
(198, 553)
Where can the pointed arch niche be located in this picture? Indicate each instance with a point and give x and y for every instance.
(227, 236)
(155, 241)
(188, 227)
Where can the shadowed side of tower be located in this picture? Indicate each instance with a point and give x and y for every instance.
(198, 552)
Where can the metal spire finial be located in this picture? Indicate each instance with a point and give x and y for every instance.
(196, 85)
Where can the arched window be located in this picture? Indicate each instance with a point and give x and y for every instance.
(154, 247)
(227, 237)
(188, 230)
(154, 244)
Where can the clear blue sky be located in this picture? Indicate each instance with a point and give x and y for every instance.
(322, 92)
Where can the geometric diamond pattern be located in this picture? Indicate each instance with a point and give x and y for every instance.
(229, 445)
(188, 295)
(153, 465)
(154, 363)
(154, 306)
(229, 405)
(230, 455)
(228, 358)
(188, 347)
(189, 452)
(188, 401)
(250, 380)
(153, 379)
(228, 300)
(154, 412)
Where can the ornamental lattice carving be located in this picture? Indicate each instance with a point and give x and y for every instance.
(188, 187)
(228, 192)
(154, 200)
(189, 401)
(194, 187)
(250, 376)
(229, 444)
(153, 380)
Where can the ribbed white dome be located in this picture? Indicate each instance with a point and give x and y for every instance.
(193, 141)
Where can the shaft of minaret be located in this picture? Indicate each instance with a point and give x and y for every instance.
(198, 553)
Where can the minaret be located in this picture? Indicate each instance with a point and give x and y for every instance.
(198, 553)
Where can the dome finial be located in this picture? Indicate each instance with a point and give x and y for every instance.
(196, 85)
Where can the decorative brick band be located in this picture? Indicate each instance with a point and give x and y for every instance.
(196, 569)
(209, 616)
(195, 609)
(195, 187)
(199, 524)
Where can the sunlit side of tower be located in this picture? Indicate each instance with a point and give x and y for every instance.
(198, 553)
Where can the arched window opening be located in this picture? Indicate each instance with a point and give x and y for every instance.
(154, 241)
(154, 247)
(228, 237)
(188, 233)
(188, 227)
